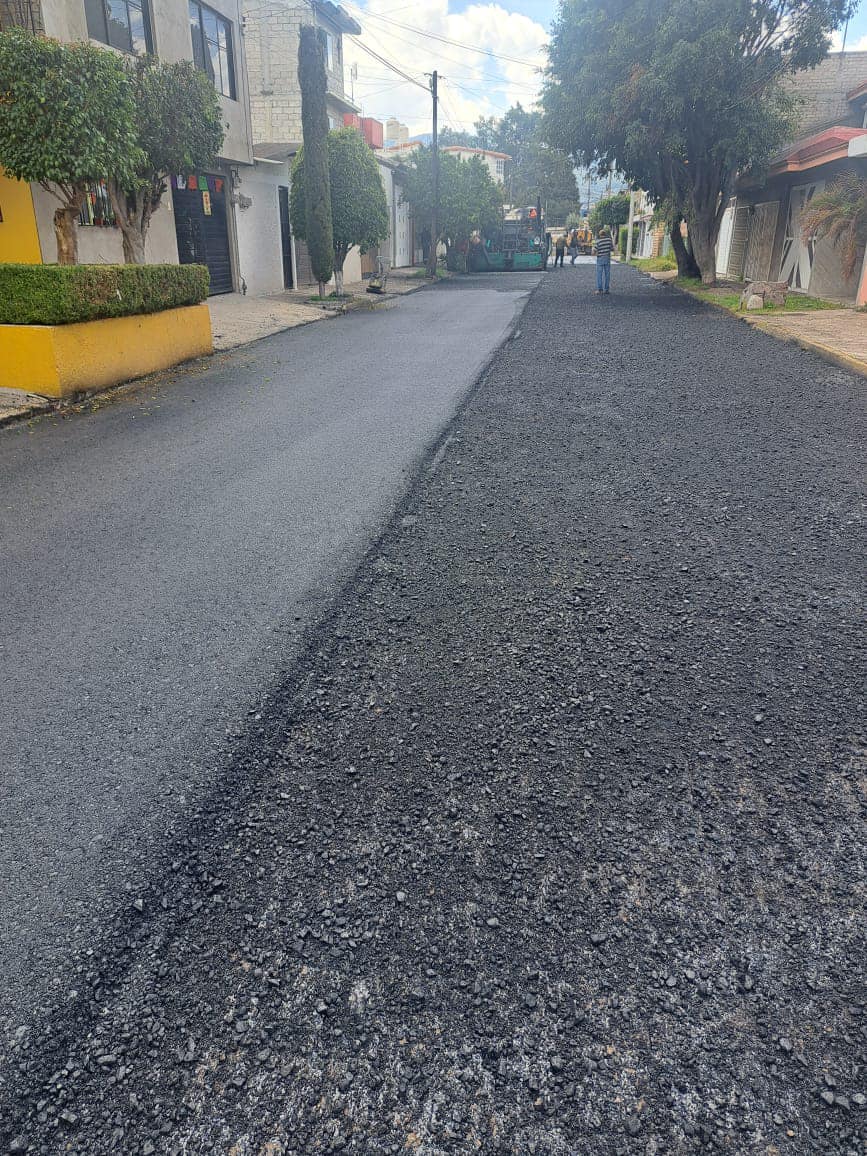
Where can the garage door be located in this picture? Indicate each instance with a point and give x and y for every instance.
(202, 227)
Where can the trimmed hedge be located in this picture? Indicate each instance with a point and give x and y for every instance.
(62, 294)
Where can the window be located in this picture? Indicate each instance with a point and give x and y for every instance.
(328, 42)
(212, 47)
(501, 168)
(97, 208)
(124, 24)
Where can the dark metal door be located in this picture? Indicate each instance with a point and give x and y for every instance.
(285, 236)
(203, 238)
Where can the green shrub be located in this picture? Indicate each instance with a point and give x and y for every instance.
(621, 239)
(62, 294)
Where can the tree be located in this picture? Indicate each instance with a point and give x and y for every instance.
(682, 95)
(318, 229)
(359, 211)
(469, 199)
(179, 128)
(66, 121)
(840, 214)
(610, 211)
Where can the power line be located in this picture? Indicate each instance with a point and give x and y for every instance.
(388, 64)
(472, 74)
(445, 39)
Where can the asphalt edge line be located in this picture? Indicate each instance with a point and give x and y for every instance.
(113, 953)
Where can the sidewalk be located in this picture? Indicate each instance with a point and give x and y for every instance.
(238, 320)
(839, 335)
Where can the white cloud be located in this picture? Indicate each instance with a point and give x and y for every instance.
(473, 84)
(859, 45)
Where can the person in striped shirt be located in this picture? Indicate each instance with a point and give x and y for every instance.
(604, 247)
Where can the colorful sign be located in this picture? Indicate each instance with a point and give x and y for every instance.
(206, 202)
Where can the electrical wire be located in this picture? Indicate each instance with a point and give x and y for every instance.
(444, 39)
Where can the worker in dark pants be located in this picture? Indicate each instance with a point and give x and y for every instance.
(559, 249)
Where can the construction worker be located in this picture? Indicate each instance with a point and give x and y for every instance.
(559, 249)
(573, 245)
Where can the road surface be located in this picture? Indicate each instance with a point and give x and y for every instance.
(552, 840)
(161, 558)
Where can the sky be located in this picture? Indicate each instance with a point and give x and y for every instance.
(472, 84)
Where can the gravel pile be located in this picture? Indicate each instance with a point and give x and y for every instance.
(555, 844)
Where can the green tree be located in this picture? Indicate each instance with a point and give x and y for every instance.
(359, 211)
(682, 95)
(179, 128)
(66, 121)
(318, 228)
(610, 211)
(469, 199)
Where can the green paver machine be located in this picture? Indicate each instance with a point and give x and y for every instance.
(520, 242)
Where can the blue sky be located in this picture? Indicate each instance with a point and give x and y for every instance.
(474, 83)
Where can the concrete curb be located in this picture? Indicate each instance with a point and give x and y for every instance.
(826, 352)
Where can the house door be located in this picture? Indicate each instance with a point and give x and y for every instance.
(202, 229)
(761, 243)
(285, 237)
(796, 265)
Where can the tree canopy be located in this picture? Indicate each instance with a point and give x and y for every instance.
(359, 211)
(317, 226)
(179, 128)
(611, 211)
(535, 170)
(469, 198)
(66, 121)
(681, 95)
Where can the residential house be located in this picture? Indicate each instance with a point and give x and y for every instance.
(494, 162)
(273, 32)
(760, 237)
(219, 218)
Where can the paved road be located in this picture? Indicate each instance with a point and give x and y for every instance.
(160, 558)
(553, 841)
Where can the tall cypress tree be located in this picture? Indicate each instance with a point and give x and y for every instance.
(314, 126)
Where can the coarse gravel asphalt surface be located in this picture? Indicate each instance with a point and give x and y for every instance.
(553, 840)
(161, 555)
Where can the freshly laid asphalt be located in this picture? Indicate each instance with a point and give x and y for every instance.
(551, 838)
(160, 559)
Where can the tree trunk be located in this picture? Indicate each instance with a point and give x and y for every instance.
(66, 232)
(703, 234)
(686, 263)
(132, 211)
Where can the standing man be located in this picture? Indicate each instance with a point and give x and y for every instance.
(604, 247)
(559, 249)
(573, 245)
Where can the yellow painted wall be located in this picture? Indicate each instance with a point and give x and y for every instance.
(60, 360)
(19, 239)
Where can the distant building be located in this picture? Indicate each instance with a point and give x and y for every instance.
(396, 133)
(494, 162)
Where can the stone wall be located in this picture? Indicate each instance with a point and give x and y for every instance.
(273, 34)
(822, 91)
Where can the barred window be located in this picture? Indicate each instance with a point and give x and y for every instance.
(97, 209)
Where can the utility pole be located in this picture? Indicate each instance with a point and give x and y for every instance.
(435, 163)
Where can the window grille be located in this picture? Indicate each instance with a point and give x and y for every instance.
(97, 209)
